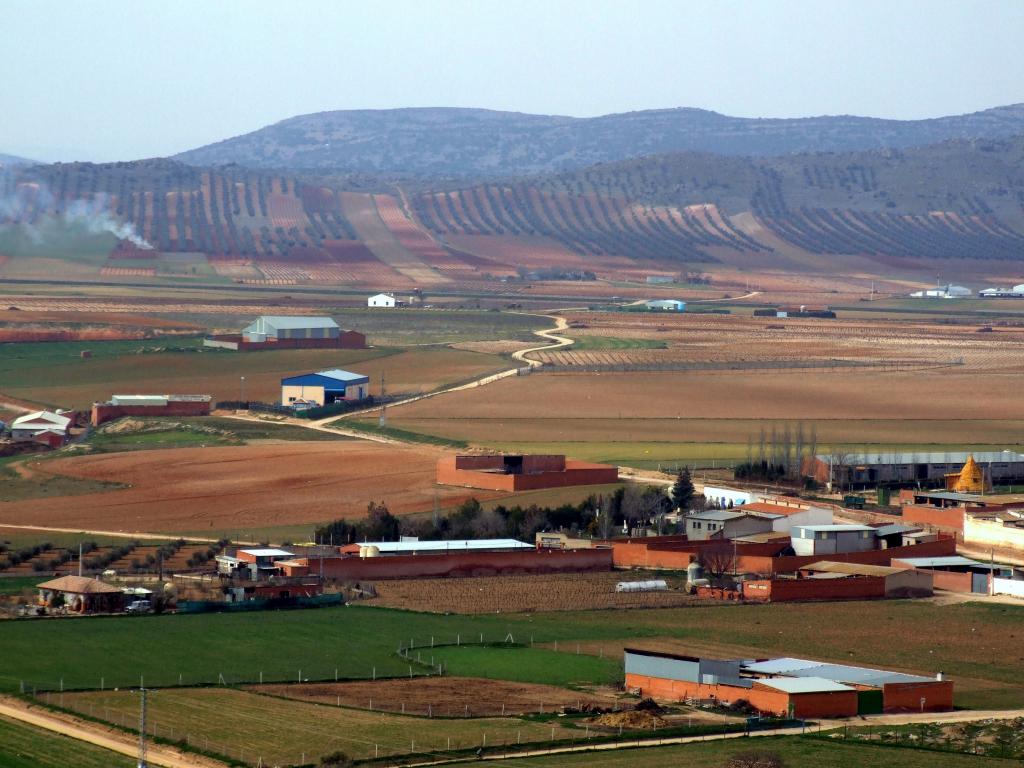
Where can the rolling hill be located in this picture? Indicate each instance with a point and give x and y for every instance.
(957, 201)
(10, 160)
(445, 142)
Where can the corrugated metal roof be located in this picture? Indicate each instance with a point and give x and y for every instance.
(44, 418)
(949, 495)
(937, 457)
(852, 569)
(840, 673)
(940, 562)
(804, 684)
(718, 515)
(267, 552)
(292, 322)
(838, 528)
(893, 528)
(340, 375)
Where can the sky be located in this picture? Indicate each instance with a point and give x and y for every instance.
(106, 81)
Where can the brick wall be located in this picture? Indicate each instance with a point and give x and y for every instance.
(459, 564)
(466, 471)
(762, 698)
(948, 519)
(790, 564)
(784, 590)
(101, 412)
(906, 697)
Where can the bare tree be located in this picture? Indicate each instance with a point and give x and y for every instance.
(717, 558)
(799, 448)
(787, 450)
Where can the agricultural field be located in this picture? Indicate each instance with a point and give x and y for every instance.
(25, 746)
(247, 726)
(796, 751)
(55, 374)
(445, 696)
(356, 642)
(234, 491)
(524, 594)
(698, 416)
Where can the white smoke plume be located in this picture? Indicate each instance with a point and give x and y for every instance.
(95, 216)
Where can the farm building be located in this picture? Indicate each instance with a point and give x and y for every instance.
(796, 312)
(413, 546)
(784, 517)
(324, 387)
(290, 332)
(660, 279)
(1017, 292)
(943, 292)
(446, 560)
(725, 524)
(252, 564)
(386, 300)
(955, 573)
(666, 305)
(499, 472)
(832, 539)
(784, 687)
(863, 470)
(41, 427)
(150, 405)
(81, 595)
(898, 581)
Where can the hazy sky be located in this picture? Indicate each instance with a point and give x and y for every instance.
(122, 80)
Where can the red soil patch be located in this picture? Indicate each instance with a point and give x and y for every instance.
(442, 696)
(240, 487)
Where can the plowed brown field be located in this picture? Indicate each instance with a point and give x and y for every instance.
(444, 696)
(240, 487)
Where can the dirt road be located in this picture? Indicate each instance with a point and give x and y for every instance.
(108, 738)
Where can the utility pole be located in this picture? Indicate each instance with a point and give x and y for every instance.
(142, 730)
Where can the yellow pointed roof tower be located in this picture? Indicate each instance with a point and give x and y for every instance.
(970, 479)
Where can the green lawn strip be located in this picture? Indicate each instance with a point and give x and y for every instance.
(526, 665)
(796, 751)
(15, 585)
(25, 746)
(398, 434)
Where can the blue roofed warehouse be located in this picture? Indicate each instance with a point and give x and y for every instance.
(324, 387)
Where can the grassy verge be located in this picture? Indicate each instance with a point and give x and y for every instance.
(15, 486)
(586, 343)
(25, 746)
(399, 434)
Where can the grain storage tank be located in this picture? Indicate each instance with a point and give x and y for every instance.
(654, 585)
(694, 572)
(370, 550)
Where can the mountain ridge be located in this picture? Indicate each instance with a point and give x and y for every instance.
(450, 142)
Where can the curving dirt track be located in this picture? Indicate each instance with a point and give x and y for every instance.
(240, 487)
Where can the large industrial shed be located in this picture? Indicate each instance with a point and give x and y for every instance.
(867, 469)
(785, 687)
(290, 332)
(324, 387)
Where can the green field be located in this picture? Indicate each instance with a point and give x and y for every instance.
(226, 722)
(25, 746)
(796, 751)
(530, 665)
(586, 343)
(356, 639)
(15, 585)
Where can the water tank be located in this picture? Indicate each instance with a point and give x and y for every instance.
(369, 551)
(694, 572)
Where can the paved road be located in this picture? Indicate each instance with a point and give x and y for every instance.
(108, 738)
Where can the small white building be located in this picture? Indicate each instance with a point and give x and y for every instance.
(784, 518)
(666, 305)
(832, 539)
(32, 425)
(725, 524)
(277, 327)
(386, 300)
(943, 292)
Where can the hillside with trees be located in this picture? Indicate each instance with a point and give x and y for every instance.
(463, 143)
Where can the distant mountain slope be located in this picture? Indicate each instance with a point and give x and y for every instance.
(960, 199)
(9, 160)
(475, 142)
